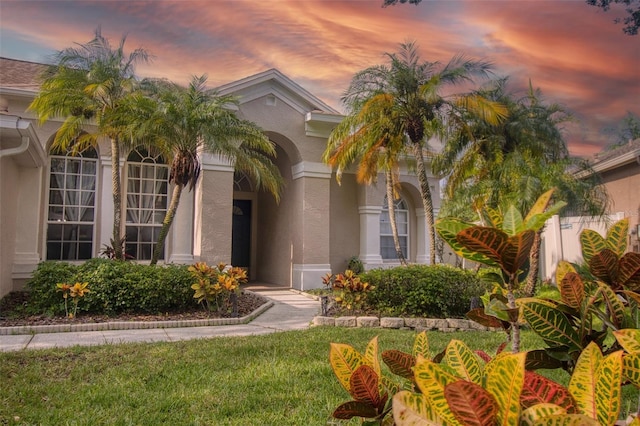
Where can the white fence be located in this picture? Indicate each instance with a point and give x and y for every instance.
(561, 240)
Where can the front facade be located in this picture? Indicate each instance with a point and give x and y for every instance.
(54, 206)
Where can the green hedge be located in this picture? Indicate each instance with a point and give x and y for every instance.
(115, 287)
(438, 291)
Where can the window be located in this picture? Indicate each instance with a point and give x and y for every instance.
(146, 200)
(387, 247)
(71, 206)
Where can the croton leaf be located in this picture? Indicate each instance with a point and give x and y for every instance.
(563, 269)
(487, 242)
(540, 205)
(515, 254)
(604, 266)
(512, 222)
(631, 368)
(421, 345)
(536, 414)
(400, 363)
(478, 315)
(556, 419)
(537, 221)
(504, 377)
(463, 360)
(344, 360)
(572, 290)
(352, 409)
(448, 230)
(364, 386)
(608, 392)
(630, 271)
(617, 237)
(432, 378)
(414, 409)
(591, 242)
(629, 339)
(471, 404)
(540, 358)
(615, 308)
(582, 384)
(483, 355)
(537, 389)
(551, 324)
(371, 355)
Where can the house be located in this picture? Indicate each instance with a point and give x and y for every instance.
(54, 206)
(619, 171)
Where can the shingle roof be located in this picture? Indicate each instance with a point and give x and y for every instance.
(20, 74)
(618, 151)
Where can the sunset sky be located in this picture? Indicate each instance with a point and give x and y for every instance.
(573, 52)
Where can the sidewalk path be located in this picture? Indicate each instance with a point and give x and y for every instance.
(290, 311)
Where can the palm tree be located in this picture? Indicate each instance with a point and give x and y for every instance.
(367, 136)
(183, 121)
(419, 109)
(88, 86)
(513, 163)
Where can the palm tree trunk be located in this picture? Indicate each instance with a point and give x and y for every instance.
(534, 265)
(166, 223)
(392, 218)
(427, 202)
(117, 200)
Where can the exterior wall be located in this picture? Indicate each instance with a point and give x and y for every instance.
(623, 186)
(8, 213)
(344, 222)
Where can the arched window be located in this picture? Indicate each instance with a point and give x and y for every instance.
(146, 200)
(71, 204)
(241, 182)
(387, 247)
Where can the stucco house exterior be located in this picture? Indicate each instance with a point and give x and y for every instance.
(55, 206)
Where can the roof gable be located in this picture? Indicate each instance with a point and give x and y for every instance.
(273, 82)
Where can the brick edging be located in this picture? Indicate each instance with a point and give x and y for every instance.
(134, 325)
(436, 324)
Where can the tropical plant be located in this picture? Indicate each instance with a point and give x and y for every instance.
(75, 292)
(349, 291)
(514, 162)
(504, 244)
(182, 122)
(87, 88)
(215, 286)
(592, 306)
(460, 386)
(400, 107)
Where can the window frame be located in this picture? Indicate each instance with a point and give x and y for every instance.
(402, 207)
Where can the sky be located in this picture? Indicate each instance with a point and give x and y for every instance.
(572, 52)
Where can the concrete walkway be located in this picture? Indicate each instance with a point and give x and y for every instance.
(290, 311)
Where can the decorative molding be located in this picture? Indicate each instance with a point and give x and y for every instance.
(310, 169)
(309, 275)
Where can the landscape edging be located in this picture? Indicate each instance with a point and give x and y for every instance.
(134, 325)
(427, 324)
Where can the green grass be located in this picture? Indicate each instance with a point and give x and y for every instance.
(277, 379)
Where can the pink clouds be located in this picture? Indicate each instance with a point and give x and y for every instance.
(571, 51)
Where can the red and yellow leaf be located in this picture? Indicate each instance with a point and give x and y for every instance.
(400, 363)
(563, 269)
(551, 324)
(629, 339)
(537, 389)
(344, 360)
(431, 378)
(630, 271)
(571, 290)
(536, 413)
(617, 237)
(604, 266)
(364, 386)
(371, 355)
(608, 390)
(352, 409)
(471, 404)
(591, 242)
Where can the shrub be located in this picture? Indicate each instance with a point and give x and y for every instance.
(116, 287)
(215, 286)
(436, 291)
(349, 290)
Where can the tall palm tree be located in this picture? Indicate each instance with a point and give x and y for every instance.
(419, 108)
(513, 163)
(367, 135)
(182, 121)
(88, 86)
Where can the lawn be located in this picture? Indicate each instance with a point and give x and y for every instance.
(277, 379)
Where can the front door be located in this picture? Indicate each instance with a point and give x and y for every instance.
(241, 234)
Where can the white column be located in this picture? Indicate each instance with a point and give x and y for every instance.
(370, 235)
(182, 230)
(27, 252)
(104, 216)
(422, 239)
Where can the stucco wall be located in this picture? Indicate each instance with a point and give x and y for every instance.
(623, 186)
(215, 215)
(345, 222)
(8, 212)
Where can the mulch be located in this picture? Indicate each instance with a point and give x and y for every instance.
(10, 313)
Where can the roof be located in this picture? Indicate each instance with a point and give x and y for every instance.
(20, 74)
(611, 159)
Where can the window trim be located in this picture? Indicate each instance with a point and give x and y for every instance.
(399, 202)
